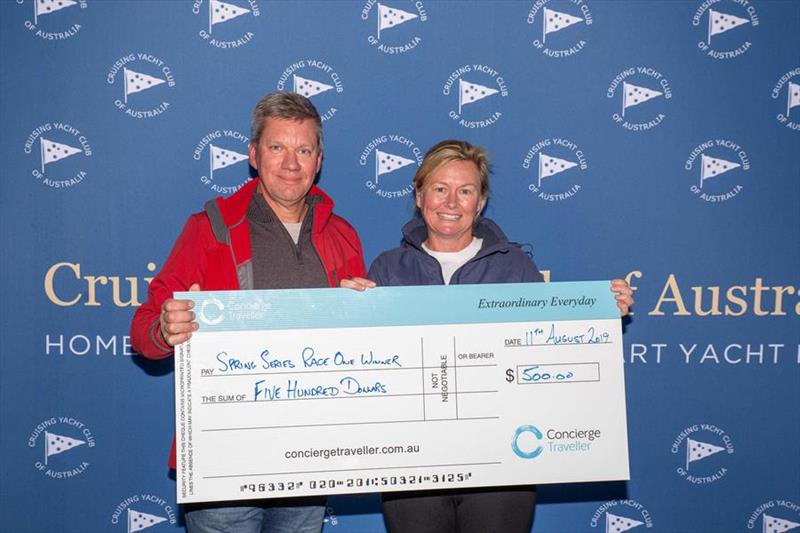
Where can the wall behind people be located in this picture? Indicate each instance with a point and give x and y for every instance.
(674, 131)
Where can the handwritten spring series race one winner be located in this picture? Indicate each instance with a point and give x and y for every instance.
(326, 391)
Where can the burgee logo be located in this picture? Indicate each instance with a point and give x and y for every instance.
(725, 27)
(390, 161)
(639, 98)
(787, 92)
(143, 511)
(621, 519)
(697, 464)
(330, 517)
(315, 80)
(554, 166)
(474, 91)
(60, 151)
(51, 20)
(776, 516)
(142, 82)
(397, 24)
(217, 152)
(61, 445)
(217, 14)
(550, 17)
(720, 163)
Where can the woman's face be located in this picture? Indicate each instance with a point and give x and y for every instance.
(449, 201)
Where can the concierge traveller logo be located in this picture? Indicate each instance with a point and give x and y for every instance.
(716, 167)
(525, 442)
(775, 516)
(638, 96)
(61, 445)
(51, 20)
(554, 166)
(143, 511)
(475, 92)
(396, 25)
(141, 82)
(787, 92)
(550, 17)
(618, 515)
(211, 312)
(698, 447)
(220, 154)
(725, 27)
(59, 151)
(529, 442)
(315, 80)
(390, 162)
(217, 15)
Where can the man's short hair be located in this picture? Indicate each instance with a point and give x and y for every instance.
(285, 105)
(454, 150)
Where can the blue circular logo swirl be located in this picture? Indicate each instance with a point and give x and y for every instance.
(515, 445)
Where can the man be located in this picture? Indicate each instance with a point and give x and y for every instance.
(277, 232)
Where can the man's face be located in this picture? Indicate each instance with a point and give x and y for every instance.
(287, 159)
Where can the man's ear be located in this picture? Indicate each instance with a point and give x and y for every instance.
(252, 152)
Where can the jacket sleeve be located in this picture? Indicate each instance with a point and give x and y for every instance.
(182, 268)
(355, 267)
(352, 255)
(530, 272)
(377, 271)
(520, 266)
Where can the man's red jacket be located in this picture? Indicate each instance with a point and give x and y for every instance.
(199, 257)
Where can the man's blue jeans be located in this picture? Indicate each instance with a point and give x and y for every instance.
(296, 515)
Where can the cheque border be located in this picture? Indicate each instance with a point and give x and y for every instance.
(402, 306)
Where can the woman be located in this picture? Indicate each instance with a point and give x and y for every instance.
(452, 244)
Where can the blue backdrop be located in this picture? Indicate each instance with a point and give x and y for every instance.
(678, 125)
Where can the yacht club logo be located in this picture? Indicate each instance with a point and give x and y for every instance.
(716, 166)
(60, 151)
(219, 153)
(698, 447)
(330, 516)
(397, 24)
(216, 32)
(141, 82)
(51, 20)
(787, 92)
(554, 165)
(61, 445)
(390, 162)
(143, 511)
(776, 516)
(725, 27)
(618, 515)
(315, 80)
(550, 17)
(475, 91)
(639, 97)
